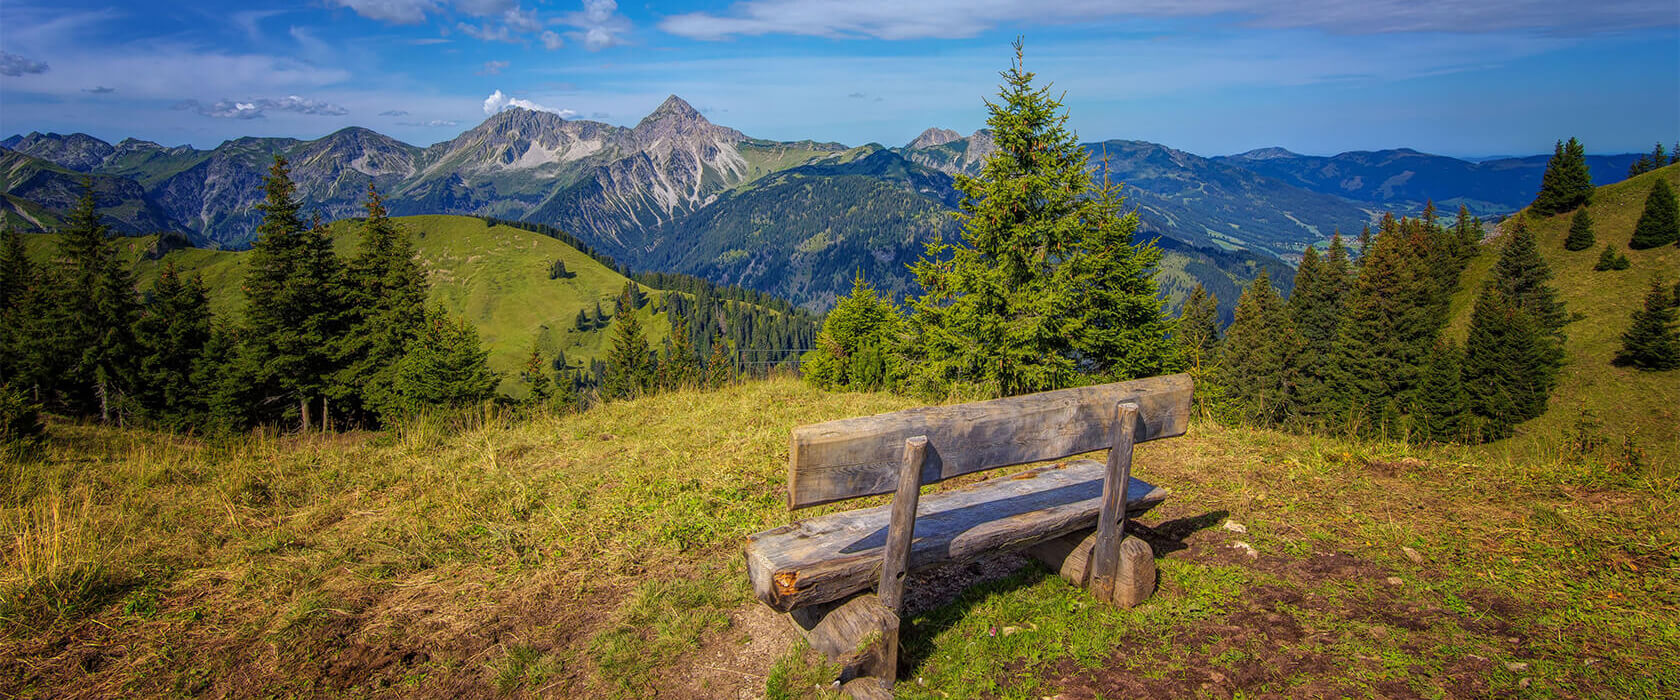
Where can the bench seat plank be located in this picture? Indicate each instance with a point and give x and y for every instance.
(829, 557)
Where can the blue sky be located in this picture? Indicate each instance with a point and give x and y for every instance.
(1207, 76)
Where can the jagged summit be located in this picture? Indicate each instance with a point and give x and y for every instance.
(934, 136)
(674, 106)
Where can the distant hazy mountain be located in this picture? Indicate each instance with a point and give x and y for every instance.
(39, 193)
(1405, 179)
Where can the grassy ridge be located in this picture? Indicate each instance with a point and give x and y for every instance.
(495, 276)
(1642, 406)
(597, 555)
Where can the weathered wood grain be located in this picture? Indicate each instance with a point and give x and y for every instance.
(859, 634)
(860, 456)
(902, 525)
(829, 557)
(1070, 557)
(1111, 520)
(868, 689)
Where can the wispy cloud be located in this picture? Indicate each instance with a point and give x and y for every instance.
(99, 90)
(431, 124)
(255, 109)
(14, 65)
(497, 101)
(896, 19)
(394, 113)
(493, 67)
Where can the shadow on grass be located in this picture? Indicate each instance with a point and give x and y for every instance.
(1168, 537)
(932, 616)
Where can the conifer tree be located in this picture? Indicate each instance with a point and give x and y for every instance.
(1315, 308)
(1580, 231)
(1442, 406)
(854, 348)
(17, 306)
(294, 301)
(1652, 340)
(1004, 310)
(566, 396)
(17, 272)
(444, 367)
(1388, 323)
(171, 334)
(1198, 329)
(1501, 353)
(1658, 157)
(1469, 232)
(1523, 276)
(385, 291)
(599, 319)
(1611, 259)
(720, 367)
(535, 374)
(1567, 184)
(95, 311)
(629, 367)
(1256, 368)
(1659, 225)
(583, 323)
(682, 365)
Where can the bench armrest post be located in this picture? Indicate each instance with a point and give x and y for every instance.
(895, 557)
(1111, 521)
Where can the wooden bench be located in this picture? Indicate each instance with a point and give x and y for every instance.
(1067, 514)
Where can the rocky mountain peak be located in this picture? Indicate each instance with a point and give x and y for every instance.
(676, 107)
(77, 151)
(934, 136)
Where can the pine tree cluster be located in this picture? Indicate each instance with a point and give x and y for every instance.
(1653, 160)
(1360, 347)
(1659, 223)
(1566, 184)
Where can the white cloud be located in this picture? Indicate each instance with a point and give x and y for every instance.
(493, 67)
(393, 11)
(255, 109)
(431, 124)
(552, 41)
(599, 25)
(14, 65)
(394, 113)
(497, 102)
(896, 19)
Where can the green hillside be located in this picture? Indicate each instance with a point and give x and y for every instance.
(495, 276)
(1642, 405)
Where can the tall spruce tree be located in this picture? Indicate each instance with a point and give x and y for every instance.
(1006, 311)
(1198, 330)
(1442, 406)
(1580, 231)
(1504, 366)
(294, 303)
(1256, 368)
(1315, 308)
(94, 315)
(1659, 224)
(1566, 184)
(385, 311)
(18, 304)
(172, 332)
(1523, 276)
(1389, 321)
(1652, 340)
(629, 366)
(444, 367)
(720, 366)
(1468, 230)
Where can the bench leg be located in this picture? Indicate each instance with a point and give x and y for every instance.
(1070, 557)
(1111, 521)
(860, 635)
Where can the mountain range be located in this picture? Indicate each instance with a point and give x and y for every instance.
(799, 219)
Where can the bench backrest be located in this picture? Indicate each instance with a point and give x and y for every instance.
(858, 457)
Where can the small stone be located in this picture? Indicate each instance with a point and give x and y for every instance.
(1010, 630)
(1516, 667)
(1246, 549)
(1394, 581)
(1235, 526)
(1412, 554)
(1523, 684)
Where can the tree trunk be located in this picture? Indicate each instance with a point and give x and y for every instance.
(303, 415)
(104, 403)
(325, 426)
